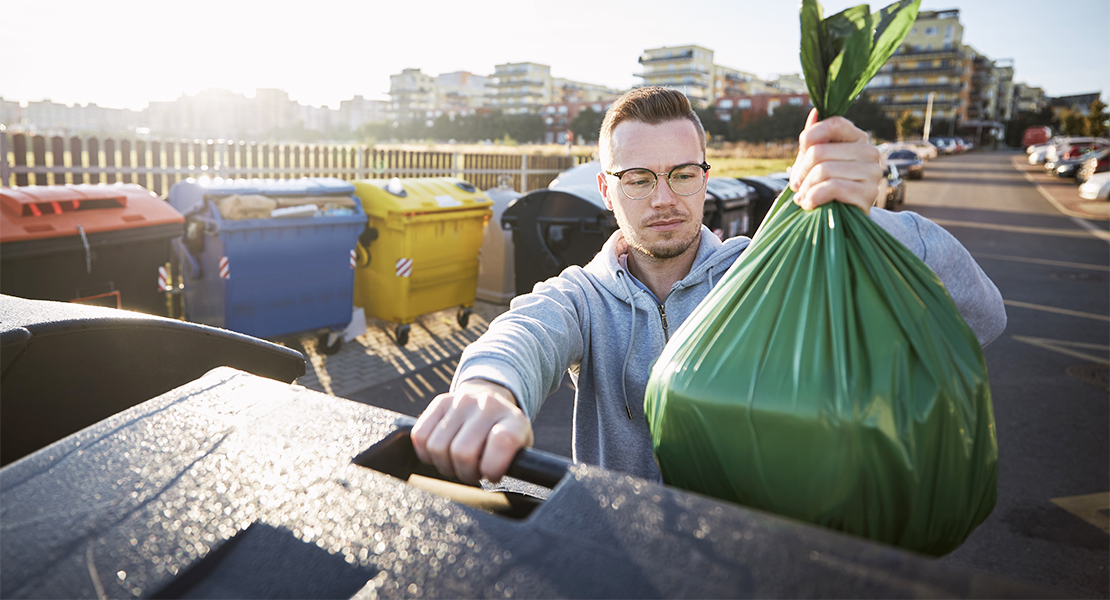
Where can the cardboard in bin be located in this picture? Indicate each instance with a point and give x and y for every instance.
(80, 241)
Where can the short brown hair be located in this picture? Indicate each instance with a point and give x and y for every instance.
(651, 105)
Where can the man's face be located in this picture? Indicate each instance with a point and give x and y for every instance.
(664, 225)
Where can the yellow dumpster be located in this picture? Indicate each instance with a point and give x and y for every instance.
(425, 256)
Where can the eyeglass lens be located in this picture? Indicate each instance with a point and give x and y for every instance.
(685, 180)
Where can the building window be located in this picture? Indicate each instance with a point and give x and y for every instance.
(772, 105)
(726, 104)
(744, 103)
(931, 31)
(795, 101)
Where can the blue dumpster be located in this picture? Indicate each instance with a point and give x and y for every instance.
(269, 258)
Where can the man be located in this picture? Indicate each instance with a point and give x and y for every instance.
(607, 323)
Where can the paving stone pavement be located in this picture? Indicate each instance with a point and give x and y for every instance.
(375, 357)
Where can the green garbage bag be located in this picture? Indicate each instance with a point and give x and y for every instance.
(830, 378)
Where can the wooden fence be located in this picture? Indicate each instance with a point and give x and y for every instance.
(157, 165)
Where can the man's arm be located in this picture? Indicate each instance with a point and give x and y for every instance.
(836, 161)
(475, 430)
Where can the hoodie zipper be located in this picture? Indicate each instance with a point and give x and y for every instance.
(663, 315)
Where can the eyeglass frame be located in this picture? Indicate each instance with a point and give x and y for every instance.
(655, 182)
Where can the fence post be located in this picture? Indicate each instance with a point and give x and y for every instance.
(5, 168)
(524, 174)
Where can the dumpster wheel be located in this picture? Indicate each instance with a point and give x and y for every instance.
(402, 335)
(329, 343)
(463, 317)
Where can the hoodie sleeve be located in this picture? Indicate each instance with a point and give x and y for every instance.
(528, 348)
(975, 295)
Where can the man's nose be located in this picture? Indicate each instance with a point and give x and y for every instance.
(663, 194)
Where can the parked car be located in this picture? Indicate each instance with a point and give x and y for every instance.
(923, 149)
(895, 189)
(1064, 145)
(1096, 188)
(908, 162)
(1070, 157)
(945, 145)
(1099, 162)
(1070, 166)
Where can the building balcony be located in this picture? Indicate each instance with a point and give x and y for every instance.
(922, 104)
(650, 58)
(948, 88)
(923, 54)
(510, 82)
(675, 73)
(951, 71)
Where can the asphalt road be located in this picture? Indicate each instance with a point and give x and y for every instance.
(1048, 372)
(1048, 375)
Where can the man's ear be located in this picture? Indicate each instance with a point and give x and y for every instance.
(603, 187)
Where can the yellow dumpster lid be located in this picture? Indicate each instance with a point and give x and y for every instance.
(419, 195)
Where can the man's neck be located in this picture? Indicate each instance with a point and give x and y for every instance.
(660, 275)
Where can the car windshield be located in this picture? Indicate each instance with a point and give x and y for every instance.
(902, 154)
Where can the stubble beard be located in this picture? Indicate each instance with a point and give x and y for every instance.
(665, 249)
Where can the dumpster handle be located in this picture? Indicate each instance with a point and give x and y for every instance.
(529, 464)
(186, 257)
(88, 253)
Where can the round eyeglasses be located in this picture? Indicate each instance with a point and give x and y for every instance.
(684, 180)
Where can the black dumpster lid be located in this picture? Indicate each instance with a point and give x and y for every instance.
(727, 188)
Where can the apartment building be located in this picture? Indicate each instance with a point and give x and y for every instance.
(412, 95)
(359, 111)
(521, 88)
(931, 61)
(753, 106)
(462, 93)
(557, 117)
(1028, 98)
(689, 69)
(527, 88)
(733, 82)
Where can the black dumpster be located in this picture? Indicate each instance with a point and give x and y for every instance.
(67, 366)
(728, 207)
(98, 244)
(767, 189)
(554, 229)
(235, 486)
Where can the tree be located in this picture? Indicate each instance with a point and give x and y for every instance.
(784, 125)
(587, 125)
(1097, 119)
(870, 117)
(713, 125)
(908, 126)
(1072, 122)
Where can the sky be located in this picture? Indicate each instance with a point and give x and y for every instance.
(126, 53)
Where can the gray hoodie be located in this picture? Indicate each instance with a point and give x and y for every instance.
(606, 331)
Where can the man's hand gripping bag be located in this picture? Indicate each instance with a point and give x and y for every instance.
(830, 378)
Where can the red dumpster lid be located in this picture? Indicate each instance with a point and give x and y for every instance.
(54, 211)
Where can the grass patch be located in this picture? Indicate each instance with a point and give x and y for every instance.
(747, 167)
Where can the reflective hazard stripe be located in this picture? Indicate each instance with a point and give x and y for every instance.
(404, 267)
(352, 259)
(225, 268)
(163, 280)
